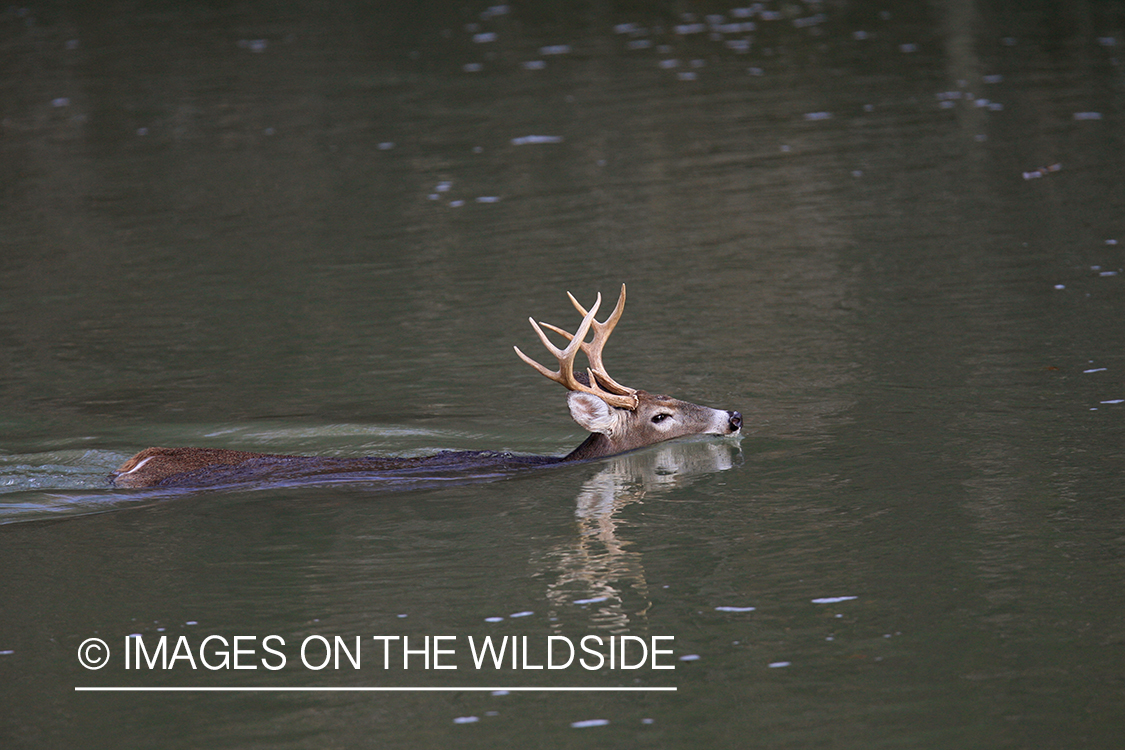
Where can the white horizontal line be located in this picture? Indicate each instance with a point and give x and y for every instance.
(125, 689)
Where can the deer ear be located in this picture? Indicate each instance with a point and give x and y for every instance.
(592, 413)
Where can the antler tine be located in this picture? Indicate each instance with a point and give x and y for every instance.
(617, 395)
(593, 349)
(565, 375)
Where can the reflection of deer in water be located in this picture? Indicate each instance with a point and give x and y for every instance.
(596, 569)
(620, 418)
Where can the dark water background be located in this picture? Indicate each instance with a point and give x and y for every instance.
(891, 234)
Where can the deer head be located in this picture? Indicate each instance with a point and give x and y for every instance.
(620, 418)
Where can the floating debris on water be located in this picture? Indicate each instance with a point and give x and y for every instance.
(735, 609)
(589, 723)
(593, 600)
(834, 599)
(493, 11)
(466, 720)
(1042, 171)
(778, 664)
(801, 23)
(536, 139)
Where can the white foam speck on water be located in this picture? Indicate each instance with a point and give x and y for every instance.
(529, 140)
(834, 599)
(735, 609)
(589, 723)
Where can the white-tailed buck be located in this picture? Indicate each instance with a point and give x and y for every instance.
(619, 418)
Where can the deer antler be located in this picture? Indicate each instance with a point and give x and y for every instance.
(593, 350)
(617, 394)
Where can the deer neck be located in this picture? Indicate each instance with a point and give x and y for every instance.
(596, 445)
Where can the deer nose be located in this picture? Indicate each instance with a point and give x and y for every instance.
(735, 421)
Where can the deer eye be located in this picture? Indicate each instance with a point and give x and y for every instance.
(658, 418)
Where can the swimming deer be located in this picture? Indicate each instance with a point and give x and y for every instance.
(619, 419)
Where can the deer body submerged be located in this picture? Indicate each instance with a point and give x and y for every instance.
(619, 418)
